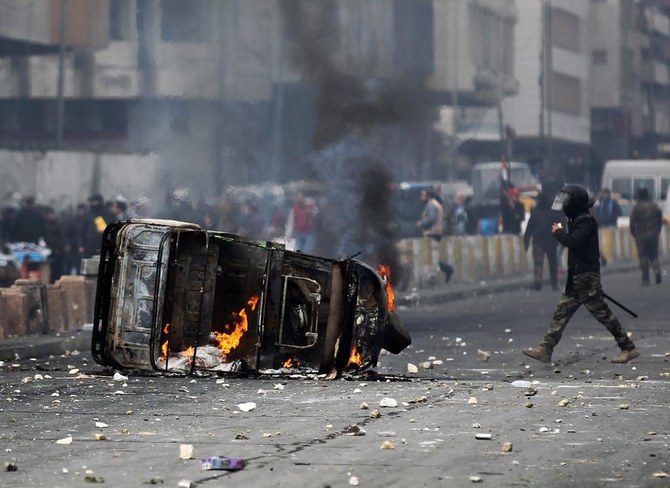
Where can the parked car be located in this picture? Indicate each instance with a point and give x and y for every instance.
(174, 297)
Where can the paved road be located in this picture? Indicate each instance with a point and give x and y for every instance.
(612, 431)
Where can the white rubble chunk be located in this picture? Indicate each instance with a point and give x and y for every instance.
(476, 479)
(186, 451)
(101, 425)
(411, 368)
(388, 402)
(246, 407)
(521, 384)
(65, 441)
(473, 401)
(119, 377)
(353, 480)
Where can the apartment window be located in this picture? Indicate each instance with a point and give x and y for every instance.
(565, 30)
(183, 21)
(566, 94)
(599, 56)
(119, 20)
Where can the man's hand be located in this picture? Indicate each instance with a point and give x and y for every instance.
(556, 227)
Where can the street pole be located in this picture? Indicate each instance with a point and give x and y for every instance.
(60, 102)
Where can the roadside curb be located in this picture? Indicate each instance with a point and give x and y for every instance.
(437, 297)
(35, 346)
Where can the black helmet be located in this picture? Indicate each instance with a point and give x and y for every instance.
(572, 199)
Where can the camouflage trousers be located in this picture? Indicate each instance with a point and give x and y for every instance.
(584, 289)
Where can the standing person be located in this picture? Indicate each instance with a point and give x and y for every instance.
(119, 210)
(29, 223)
(608, 210)
(54, 236)
(583, 286)
(83, 236)
(301, 224)
(460, 215)
(646, 221)
(432, 225)
(99, 217)
(512, 212)
(538, 231)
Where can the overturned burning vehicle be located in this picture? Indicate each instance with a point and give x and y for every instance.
(174, 297)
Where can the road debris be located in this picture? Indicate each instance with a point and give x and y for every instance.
(119, 377)
(521, 384)
(483, 356)
(476, 479)
(65, 441)
(624, 406)
(353, 480)
(246, 407)
(364, 406)
(9, 467)
(388, 402)
(375, 414)
(506, 447)
(564, 403)
(100, 436)
(529, 392)
(222, 463)
(355, 430)
(101, 425)
(411, 368)
(473, 401)
(388, 445)
(186, 451)
(483, 437)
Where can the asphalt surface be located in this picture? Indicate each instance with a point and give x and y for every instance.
(584, 422)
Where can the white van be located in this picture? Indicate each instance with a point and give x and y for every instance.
(625, 177)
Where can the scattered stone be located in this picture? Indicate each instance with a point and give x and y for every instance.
(375, 414)
(279, 386)
(356, 430)
(521, 384)
(483, 356)
(101, 425)
(388, 445)
(543, 429)
(100, 436)
(353, 480)
(483, 437)
(246, 407)
(388, 402)
(411, 368)
(27, 379)
(476, 426)
(186, 451)
(387, 433)
(153, 481)
(241, 436)
(487, 387)
(507, 447)
(661, 474)
(93, 479)
(473, 401)
(564, 403)
(11, 467)
(65, 441)
(476, 479)
(186, 484)
(438, 362)
(364, 406)
(624, 406)
(119, 377)
(529, 405)
(529, 392)
(426, 365)
(73, 371)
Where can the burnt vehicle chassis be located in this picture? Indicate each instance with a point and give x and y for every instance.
(174, 297)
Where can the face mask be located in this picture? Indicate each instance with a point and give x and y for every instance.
(561, 201)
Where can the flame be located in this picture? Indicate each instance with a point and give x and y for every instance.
(228, 342)
(355, 357)
(291, 363)
(165, 346)
(187, 353)
(385, 272)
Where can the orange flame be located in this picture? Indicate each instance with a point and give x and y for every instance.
(228, 342)
(385, 272)
(187, 353)
(165, 345)
(355, 357)
(291, 363)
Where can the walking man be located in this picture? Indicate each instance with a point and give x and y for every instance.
(538, 231)
(646, 221)
(583, 286)
(432, 225)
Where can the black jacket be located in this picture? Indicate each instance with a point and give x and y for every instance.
(581, 239)
(539, 227)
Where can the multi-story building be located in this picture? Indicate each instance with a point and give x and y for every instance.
(205, 93)
(547, 123)
(630, 70)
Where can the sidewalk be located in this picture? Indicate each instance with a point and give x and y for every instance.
(35, 346)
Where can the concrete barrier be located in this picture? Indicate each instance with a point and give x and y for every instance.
(481, 258)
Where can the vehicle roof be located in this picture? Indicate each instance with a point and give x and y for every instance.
(636, 165)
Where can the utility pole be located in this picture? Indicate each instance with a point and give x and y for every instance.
(60, 102)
